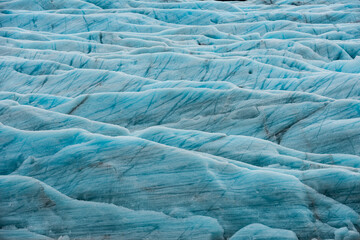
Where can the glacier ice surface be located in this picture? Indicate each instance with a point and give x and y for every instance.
(182, 119)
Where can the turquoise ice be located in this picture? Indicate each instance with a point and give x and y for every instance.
(182, 119)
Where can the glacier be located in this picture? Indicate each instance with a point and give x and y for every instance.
(184, 119)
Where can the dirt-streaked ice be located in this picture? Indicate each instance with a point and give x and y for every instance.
(182, 119)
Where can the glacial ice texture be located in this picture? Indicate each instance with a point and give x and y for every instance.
(128, 119)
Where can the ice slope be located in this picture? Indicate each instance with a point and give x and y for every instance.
(182, 119)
